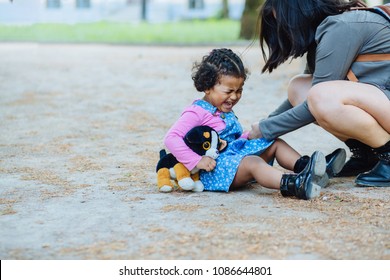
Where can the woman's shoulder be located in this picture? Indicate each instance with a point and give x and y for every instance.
(348, 24)
(354, 17)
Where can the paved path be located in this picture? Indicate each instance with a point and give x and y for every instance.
(81, 127)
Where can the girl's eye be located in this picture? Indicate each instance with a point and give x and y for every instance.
(206, 145)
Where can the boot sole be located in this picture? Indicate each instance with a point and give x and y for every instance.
(313, 192)
(322, 181)
(318, 168)
(334, 167)
(337, 163)
(319, 163)
(372, 184)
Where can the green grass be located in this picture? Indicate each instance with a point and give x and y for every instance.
(186, 32)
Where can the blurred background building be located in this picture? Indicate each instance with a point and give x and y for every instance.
(153, 11)
(72, 11)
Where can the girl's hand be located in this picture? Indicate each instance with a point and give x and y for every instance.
(255, 132)
(206, 163)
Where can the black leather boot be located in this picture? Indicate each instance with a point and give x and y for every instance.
(301, 163)
(379, 176)
(334, 163)
(302, 185)
(362, 159)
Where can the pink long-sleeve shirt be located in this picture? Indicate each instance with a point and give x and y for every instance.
(192, 116)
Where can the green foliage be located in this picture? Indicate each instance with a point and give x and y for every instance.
(185, 32)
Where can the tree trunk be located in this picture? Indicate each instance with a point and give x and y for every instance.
(225, 9)
(249, 19)
(143, 9)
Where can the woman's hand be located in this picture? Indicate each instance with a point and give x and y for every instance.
(206, 163)
(255, 132)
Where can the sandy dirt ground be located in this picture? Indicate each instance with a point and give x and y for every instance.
(81, 127)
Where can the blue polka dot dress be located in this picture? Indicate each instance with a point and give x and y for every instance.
(228, 161)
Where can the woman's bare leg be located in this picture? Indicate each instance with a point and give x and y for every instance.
(351, 110)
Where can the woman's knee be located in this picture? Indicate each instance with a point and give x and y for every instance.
(298, 88)
(322, 102)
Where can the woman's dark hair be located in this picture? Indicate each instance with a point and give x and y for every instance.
(288, 27)
(219, 62)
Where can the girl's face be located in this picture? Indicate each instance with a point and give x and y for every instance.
(226, 93)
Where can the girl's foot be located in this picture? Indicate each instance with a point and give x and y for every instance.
(304, 185)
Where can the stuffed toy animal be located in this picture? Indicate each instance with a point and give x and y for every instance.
(203, 140)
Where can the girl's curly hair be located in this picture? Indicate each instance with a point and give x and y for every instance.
(219, 62)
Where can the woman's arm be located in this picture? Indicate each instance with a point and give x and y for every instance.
(283, 123)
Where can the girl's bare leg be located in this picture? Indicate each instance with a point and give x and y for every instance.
(255, 168)
(351, 110)
(284, 154)
(302, 185)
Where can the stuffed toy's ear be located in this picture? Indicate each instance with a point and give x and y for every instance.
(195, 135)
(194, 139)
(202, 140)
